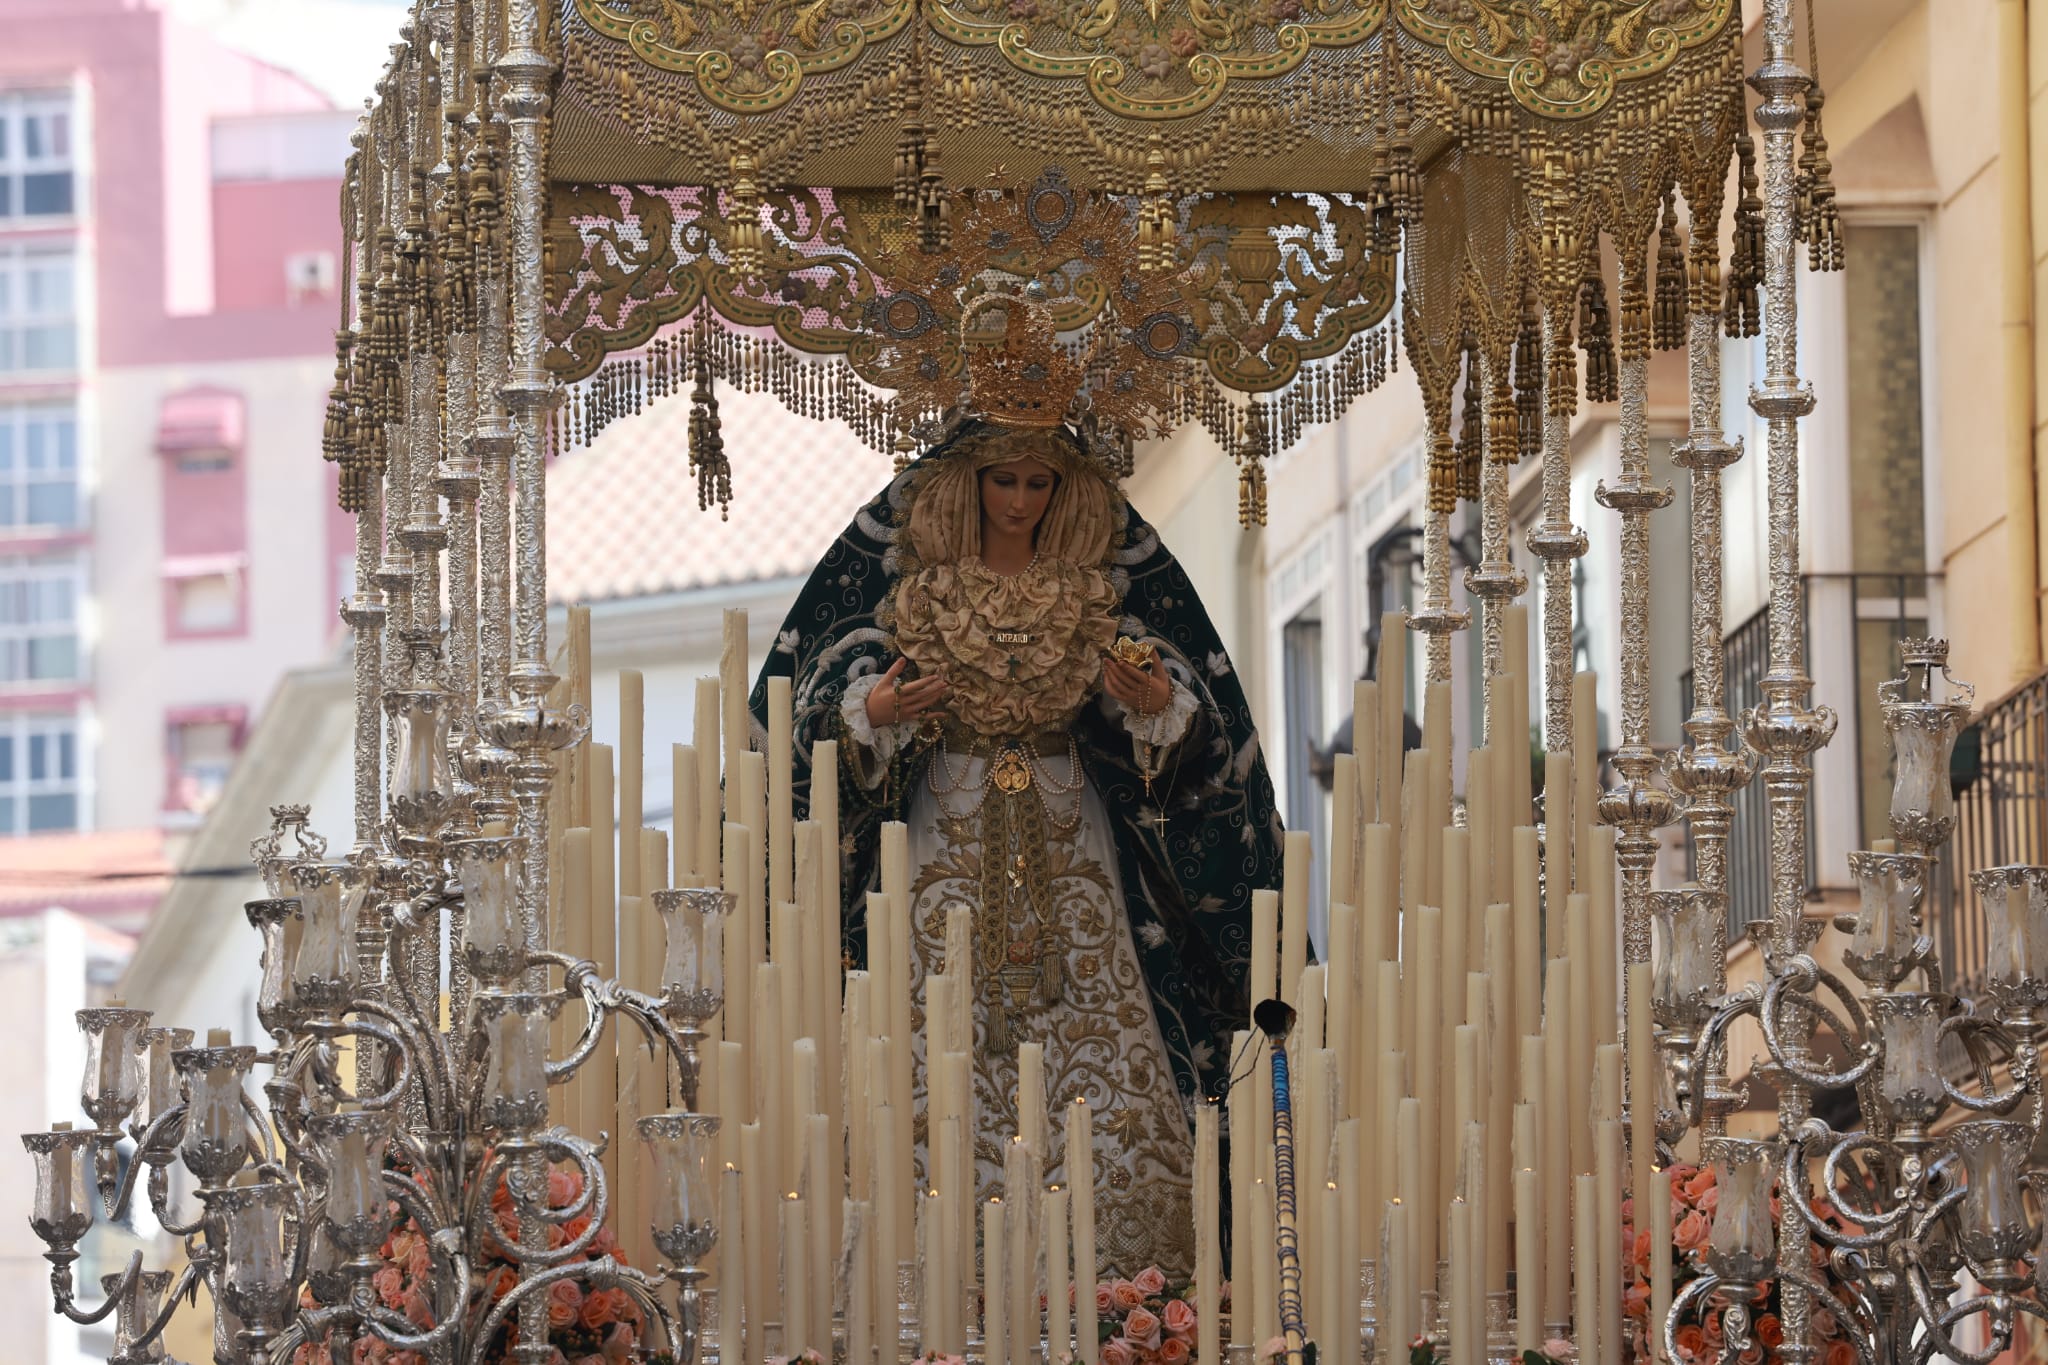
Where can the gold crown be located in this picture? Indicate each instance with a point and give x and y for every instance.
(1017, 374)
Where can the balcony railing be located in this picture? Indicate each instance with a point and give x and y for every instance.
(2000, 777)
(1855, 621)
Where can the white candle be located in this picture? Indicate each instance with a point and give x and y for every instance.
(1329, 1272)
(854, 1045)
(1341, 1018)
(710, 801)
(1080, 1177)
(732, 686)
(1557, 1150)
(1240, 1116)
(1265, 1272)
(1344, 824)
(796, 1276)
(890, 1251)
(995, 1286)
(682, 795)
(1208, 1250)
(1294, 887)
(1659, 1201)
(1351, 1164)
(1058, 1334)
(860, 1283)
(739, 963)
(1265, 982)
(735, 1098)
(1586, 1267)
(1642, 1074)
(1608, 1164)
(1527, 917)
(823, 1190)
(781, 780)
(1464, 1284)
(763, 1237)
(1528, 1263)
(1398, 1294)
(732, 1266)
(632, 776)
(1020, 1184)
(1031, 1097)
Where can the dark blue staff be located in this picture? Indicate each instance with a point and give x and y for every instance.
(1275, 1019)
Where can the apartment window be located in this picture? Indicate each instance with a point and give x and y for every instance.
(37, 159)
(39, 597)
(206, 603)
(38, 773)
(38, 466)
(38, 309)
(200, 745)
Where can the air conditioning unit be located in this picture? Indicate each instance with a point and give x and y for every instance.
(309, 275)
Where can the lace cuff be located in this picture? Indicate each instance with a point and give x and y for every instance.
(1166, 727)
(881, 741)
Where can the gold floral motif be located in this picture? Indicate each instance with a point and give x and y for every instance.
(1100, 1038)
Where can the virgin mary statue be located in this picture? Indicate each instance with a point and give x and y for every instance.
(1015, 667)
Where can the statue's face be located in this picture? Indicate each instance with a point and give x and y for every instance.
(1014, 495)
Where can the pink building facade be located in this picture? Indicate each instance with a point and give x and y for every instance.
(169, 259)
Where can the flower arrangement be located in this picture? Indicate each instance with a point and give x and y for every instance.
(1141, 1323)
(585, 1326)
(1424, 1350)
(1698, 1333)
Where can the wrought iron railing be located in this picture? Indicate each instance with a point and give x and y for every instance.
(2000, 778)
(1866, 615)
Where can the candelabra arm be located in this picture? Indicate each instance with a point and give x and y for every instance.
(1949, 1200)
(538, 1283)
(1878, 1223)
(114, 1196)
(60, 1290)
(160, 1205)
(1793, 987)
(397, 1041)
(592, 990)
(1748, 1000)
(1973, 1031)
(260, 1123)
(594, 1200)
(1866, 1354)
(392, 1328)
(185, 1287)
(1692, 1297)
(643, 1287)
(421, 1204)
(438, 1088)
(1937, 1337)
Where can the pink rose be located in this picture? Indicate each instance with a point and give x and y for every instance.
(1179, 1316)
(389, 1283)
(1117, 1351)
(618, 1344)
(1124, 1294)
(1104, 1300)
(565, 1303)
(563, 1187)
(597, 1311)
(1175, 1351)
(1691, 1233)
(419, 1261)
(414, 1305)
(1142, 1328)
(1149, 1281)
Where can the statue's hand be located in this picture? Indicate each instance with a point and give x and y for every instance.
(1144, 690)
(894, 700)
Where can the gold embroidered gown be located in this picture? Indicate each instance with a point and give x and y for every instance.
(1003, 820)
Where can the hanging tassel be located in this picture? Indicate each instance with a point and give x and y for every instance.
(1443, 473)
(707, 447)
(1000, 1040)
(1820, 223)
(1529, 377)
(1741, 307)
(1667, 315)
(1596, 337)
(1052, 974)
(1471, 423)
